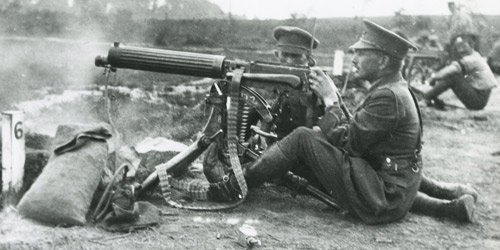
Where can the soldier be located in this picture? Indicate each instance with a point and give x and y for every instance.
(460, 21)
(434, 43)
(469, 76)
(294, 46)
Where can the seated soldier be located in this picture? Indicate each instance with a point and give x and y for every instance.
(468, 76)
(294, 48)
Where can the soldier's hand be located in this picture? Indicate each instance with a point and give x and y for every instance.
(432, 80)
(316, 128)
(323, 86)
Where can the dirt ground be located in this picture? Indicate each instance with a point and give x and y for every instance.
(460, 146)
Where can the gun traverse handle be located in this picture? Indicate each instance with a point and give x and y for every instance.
(258, 131)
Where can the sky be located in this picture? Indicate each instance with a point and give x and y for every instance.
(283, 9)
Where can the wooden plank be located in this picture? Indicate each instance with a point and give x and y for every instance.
(338, 63)
(13, 152)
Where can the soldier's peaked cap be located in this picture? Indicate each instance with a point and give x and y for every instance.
(379, 38)
(294, 40)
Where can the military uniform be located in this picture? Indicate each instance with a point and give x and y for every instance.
(370, 165)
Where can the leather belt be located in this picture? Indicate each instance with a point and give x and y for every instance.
(398, 163)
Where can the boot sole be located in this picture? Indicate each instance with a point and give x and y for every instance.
(468, 205)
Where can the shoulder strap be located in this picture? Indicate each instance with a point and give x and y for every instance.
(421, 131)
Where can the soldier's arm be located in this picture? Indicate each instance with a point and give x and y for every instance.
(374, 122)
(453, 68)
(332, 127)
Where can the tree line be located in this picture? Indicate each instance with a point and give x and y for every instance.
(230, 33)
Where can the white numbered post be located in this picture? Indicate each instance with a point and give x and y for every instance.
(338, 63)
(13, 150)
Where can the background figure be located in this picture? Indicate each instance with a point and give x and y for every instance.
(434, 43)
(494, 57)
(469, 76)
(460, 20)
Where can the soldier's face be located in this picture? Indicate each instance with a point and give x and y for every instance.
(367, 64)
(292, 58)
(463, 48)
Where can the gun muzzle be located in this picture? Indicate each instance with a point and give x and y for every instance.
(101, 61)
(163, 61)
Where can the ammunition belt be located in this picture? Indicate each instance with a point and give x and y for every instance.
(232, 141)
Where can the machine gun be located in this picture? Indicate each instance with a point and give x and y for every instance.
(419, 66)
(234, 99)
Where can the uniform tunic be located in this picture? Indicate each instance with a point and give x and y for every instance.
(476, 71)
(369, 165)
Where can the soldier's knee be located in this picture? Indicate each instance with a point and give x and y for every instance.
(302, 132)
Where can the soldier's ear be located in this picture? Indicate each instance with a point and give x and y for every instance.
(384, 61)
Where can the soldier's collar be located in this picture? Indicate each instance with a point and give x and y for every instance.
(384, 80)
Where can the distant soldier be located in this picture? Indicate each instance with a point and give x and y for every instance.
(434, 43)
(460, 21)
(469, 76)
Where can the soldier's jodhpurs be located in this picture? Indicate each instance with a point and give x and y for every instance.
(303, 151)
(472, 98)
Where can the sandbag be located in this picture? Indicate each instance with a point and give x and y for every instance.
(63, 192)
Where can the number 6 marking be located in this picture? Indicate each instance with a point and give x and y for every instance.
(18, 130)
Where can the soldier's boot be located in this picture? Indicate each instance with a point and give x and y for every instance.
(461, 209)
(445, 190)
(431, 96)
(272, 164)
